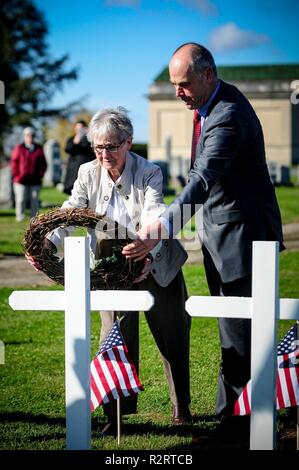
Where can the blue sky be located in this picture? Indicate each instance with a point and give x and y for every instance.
(120, 46)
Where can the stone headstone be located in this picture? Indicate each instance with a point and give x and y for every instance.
(165, 173)
(52, 154)
(2, 92)
(168, 146)
(295, 174)
(279, 174)
(5, 186)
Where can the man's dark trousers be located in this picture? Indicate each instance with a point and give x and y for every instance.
(235, 337)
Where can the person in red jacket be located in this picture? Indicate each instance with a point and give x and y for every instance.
(28, 165)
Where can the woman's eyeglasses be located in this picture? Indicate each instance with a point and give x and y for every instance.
(99, 149)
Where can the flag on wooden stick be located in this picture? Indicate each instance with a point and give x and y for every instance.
(287, 376)
(113, 375)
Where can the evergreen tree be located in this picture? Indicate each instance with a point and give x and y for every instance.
(30, 75)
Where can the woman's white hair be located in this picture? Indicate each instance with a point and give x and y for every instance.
(110, 121)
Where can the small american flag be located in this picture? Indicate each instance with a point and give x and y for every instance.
(113, 375)
(287, 376)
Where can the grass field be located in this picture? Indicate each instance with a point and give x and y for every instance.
(32, 410)
(11, 232)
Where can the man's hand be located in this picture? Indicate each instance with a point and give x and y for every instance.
(47, 245)
(147, 238)
(145, 271)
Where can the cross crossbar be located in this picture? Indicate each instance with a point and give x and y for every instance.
(231, 307)
(99, 300)
(263, 308)
(77, 301)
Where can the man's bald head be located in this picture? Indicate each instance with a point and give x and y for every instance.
(197, 56)
(193, 73)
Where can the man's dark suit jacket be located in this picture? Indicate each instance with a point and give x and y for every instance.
(230, 178)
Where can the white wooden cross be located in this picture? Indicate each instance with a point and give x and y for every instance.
(77, 301)
(264, 308)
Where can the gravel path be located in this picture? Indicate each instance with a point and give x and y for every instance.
(15, 271)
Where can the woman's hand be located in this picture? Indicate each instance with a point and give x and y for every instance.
(31, 260)
(47, 245)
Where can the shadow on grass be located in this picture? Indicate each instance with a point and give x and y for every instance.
(52, 436)
(207, 437)
(18, 343)
(205, 432)
(15, 417)
(42, 428)
(7, 213)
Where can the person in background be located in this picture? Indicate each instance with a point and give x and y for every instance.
(28, 166)
(79, 151)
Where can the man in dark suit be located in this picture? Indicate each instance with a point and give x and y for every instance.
(229, 177)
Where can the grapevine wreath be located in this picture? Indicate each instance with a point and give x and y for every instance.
(111, 272)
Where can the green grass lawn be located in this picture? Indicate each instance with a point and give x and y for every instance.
(11, 232)
(288, 199)
(32, 411)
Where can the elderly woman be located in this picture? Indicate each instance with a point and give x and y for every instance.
(128, 189)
